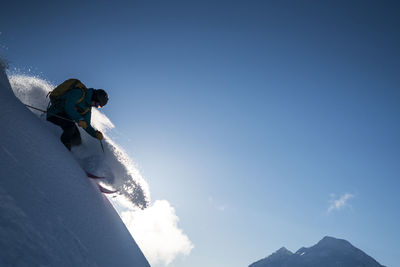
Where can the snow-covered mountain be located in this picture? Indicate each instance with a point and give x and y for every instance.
(329, 252)
(51, 214)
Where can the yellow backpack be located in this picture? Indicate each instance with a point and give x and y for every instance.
(65, 87)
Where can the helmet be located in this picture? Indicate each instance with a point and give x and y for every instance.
(100, 96)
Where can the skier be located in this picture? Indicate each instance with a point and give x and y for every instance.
(71, 103)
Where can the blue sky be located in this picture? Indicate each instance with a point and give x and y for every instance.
(251, 117)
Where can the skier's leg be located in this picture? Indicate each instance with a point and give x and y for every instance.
(76, 139)
(56, 120)
(71, 135)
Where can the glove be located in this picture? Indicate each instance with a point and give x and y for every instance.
(99, 135)
(82, 124)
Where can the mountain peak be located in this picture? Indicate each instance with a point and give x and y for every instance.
(333, 242)
(278, 256)
(283, 250)
(330, 239)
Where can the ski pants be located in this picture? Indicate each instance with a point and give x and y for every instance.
(71, 136)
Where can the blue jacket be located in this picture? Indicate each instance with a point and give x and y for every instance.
(68, 104)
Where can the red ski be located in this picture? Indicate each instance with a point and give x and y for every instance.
(101, 188)
(106, 191)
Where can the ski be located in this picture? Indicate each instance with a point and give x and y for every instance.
(106, 191)
(101, 188)
(92, 176)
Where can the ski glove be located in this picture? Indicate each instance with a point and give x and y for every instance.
(82, 124)
(99, 135)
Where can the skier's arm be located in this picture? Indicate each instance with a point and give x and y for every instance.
(70, 102)
(89, 129)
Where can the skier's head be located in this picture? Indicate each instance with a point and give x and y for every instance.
(100, 98)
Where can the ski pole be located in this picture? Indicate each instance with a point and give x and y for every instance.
(44, 111)
(102, 147)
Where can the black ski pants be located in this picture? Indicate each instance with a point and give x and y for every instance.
(71, 136)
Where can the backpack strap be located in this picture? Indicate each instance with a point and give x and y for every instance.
(83, 95)
(83, 88)
(85, 111)
(78, 84)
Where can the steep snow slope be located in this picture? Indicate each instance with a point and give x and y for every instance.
(51, 214)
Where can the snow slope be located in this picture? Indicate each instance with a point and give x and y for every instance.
(51, 214)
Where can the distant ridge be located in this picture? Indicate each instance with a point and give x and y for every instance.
(328, 252)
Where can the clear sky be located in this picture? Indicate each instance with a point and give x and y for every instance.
(264, 123)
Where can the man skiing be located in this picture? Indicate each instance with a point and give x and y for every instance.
(71, 103)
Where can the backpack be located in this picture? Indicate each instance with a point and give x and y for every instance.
(64, 88)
